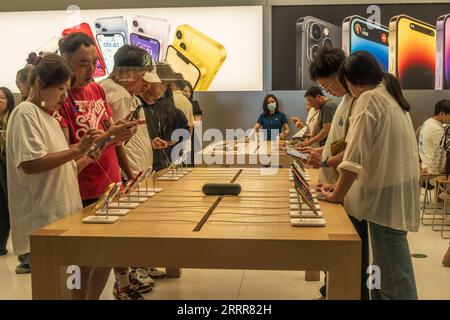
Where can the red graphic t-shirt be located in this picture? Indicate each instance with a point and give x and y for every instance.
(85, 109)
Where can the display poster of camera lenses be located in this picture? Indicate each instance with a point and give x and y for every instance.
(200, 43)
(411, 41)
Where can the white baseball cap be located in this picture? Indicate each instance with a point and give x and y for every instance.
(152, 77)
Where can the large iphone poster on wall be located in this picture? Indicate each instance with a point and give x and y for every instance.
(411, 41)
(215, 48)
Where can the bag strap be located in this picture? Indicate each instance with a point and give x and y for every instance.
(347, 122)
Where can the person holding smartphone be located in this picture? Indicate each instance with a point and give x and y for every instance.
(86, 108)
(129, 78)
(379, 176)
(6, 107)
(41, 168)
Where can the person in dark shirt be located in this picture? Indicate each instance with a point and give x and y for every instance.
(327, 108)
(272, 119)
(162, 117)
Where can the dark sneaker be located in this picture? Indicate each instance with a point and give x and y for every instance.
(129, 294)
(23, 268)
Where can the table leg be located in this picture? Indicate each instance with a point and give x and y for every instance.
(344, 279)
(48, 277)
(173, 272)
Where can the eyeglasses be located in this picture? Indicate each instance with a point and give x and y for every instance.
(327, 87)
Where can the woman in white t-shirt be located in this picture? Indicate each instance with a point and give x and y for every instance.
(379, 176)
(41, 168)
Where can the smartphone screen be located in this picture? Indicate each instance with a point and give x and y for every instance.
(447, 54)
(150, 45)
(372, 38)
(181, 64)
(416, 54)
(109, 44)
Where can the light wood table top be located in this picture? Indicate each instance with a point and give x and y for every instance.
(249, 231)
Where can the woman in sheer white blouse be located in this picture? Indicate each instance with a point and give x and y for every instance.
(379, 177)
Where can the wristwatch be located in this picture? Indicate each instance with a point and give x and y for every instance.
(323, 163)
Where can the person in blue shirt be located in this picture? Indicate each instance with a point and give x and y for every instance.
(272, 119)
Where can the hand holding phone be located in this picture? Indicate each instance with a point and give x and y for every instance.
(297, 154)
(135, 114)
(87, 141)
(99, 146)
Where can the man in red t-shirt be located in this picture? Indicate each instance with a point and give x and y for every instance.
(86, 108)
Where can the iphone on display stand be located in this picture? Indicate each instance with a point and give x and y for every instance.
(207, 51)
(188, 66)
(359, 33)
(443, 53)
(412, 52)
(154, 30)
(100, 71)
(312, 34)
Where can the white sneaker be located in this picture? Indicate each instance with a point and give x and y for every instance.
(142, 276)
(155, 273)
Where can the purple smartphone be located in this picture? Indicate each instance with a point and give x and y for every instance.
(150, 45)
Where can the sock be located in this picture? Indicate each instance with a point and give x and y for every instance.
(123, 280)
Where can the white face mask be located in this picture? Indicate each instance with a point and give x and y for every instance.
(271, 106)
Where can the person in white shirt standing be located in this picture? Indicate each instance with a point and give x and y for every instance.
(432, 132)
(129, 78)
(379, 176)
(41, 166)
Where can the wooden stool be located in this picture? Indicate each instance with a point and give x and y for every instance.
(425, 178)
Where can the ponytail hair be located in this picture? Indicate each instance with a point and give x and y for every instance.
(361, 68)
(393, 87)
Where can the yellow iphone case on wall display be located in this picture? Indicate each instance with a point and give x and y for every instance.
(208, 52)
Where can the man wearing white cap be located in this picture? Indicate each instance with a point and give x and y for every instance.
(129, 78)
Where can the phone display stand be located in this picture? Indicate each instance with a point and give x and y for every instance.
(104, 218)
(153, 189)
(120, 204)
(173, 175)
(302, 217)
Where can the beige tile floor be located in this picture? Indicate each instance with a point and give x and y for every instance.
(433, 280)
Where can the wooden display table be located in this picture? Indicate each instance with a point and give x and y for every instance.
(249, 231)
(236, 154)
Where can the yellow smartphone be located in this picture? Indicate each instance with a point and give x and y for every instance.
(102, 200)
(208, 52)
(412, 52)
(191, 69)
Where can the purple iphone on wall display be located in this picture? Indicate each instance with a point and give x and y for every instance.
(150, 45)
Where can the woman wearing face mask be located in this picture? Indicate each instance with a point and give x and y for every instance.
(379, 175)
(272, 121)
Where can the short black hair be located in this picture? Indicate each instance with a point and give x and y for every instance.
(313, 92)
(326, 63)
(132, 56)
(73, 41)
(442, 106)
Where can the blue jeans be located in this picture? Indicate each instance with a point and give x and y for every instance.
(391, 254)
